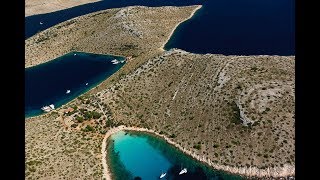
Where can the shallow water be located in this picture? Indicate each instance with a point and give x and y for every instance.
(137, 154)
(47, 83)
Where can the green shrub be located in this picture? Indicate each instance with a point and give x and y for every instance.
(88, 128)
(95, 115)
(254, 69)
(75, 107)
(87, 115)
(109, 123)
(197, 146)
(236, 114)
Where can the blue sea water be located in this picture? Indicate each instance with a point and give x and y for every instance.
(32, 23)
(47, 83)
(137, 154)
(239, 27)
(230, 27)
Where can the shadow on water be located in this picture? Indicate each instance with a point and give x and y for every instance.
(33, 26)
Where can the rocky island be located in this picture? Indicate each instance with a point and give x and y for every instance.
(235, 113)
(34, 7)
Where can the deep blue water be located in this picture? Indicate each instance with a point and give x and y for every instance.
(32, 23)
(47, 83)
(143, 155)
(239, 27)
(230, 27)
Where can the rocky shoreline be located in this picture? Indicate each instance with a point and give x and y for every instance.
(145, 42)
(130, 31)
(34, 7)
(287, 171)
(193, 12)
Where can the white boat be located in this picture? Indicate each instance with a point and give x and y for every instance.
(74, 54)
(115, 61)
(46, 108)
(68, 91)
(122, 61)
(163, 175)
(87, 84)
(41, 22)
(51, 106)
(184, 170)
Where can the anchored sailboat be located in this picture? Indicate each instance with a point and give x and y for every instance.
(162, 175)
(47, 108)
(115, 61)
(184, 170)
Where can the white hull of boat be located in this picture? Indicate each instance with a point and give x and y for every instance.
(48, 108)
(183, 171)
(163, 175)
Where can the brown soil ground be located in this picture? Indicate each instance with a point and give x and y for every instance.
(33, 7)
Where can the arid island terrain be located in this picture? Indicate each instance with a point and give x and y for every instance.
(34, 7)
(235, 113)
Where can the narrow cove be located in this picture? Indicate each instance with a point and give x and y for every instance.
(140, 154)
(78, 72)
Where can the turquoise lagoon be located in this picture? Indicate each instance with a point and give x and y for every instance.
(137, 154)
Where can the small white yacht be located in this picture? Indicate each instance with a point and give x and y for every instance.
(114, 61)
(68, 91)
(162, 175)
(184, 170)
(87, 84)
(74, 54)
(46, 108)
(41, 22)
(51, 106)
